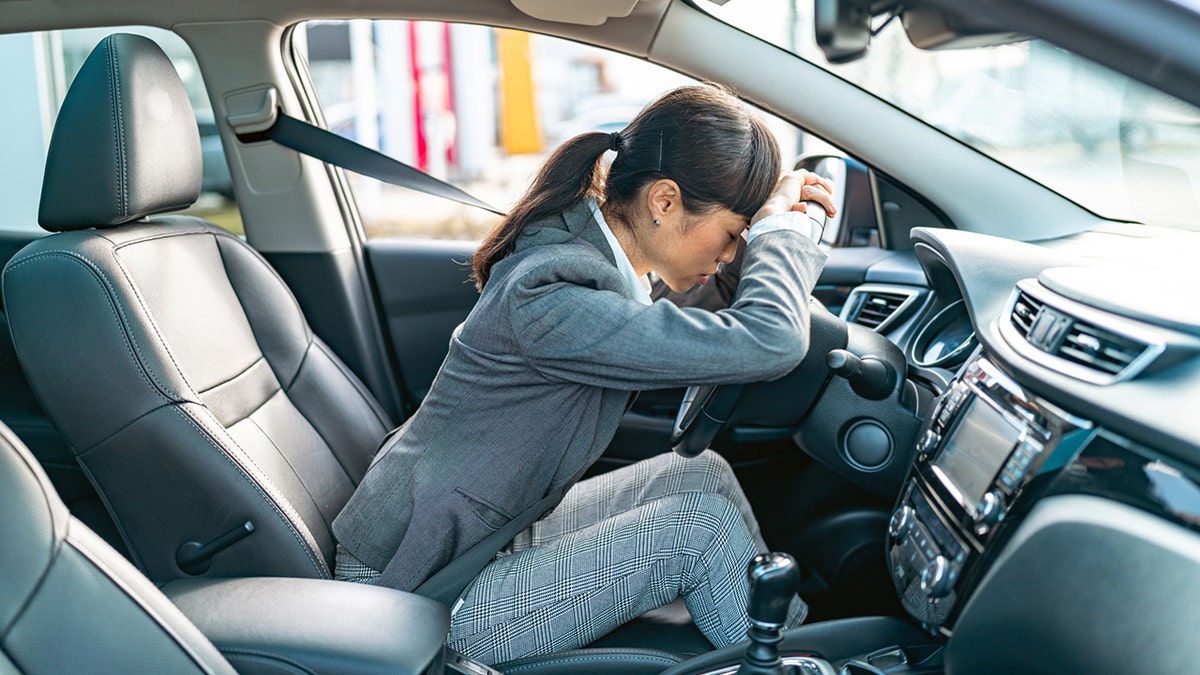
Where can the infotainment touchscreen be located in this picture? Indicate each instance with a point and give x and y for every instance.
(975, 450)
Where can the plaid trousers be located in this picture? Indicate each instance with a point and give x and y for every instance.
(617, 546)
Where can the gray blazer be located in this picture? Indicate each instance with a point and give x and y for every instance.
(537, 378)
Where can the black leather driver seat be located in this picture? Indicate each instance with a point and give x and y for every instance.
(168, 353)
(69, 603)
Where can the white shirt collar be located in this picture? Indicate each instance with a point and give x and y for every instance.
(638, 286)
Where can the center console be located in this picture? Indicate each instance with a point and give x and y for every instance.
(986, 440)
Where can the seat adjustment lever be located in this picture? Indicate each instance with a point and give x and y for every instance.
(195, 558)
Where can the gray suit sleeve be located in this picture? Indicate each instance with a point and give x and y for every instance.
(570, 329)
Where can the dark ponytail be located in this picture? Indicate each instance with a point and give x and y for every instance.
(702, 137)
(567, 177)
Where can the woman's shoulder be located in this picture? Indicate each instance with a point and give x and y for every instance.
(571, 260)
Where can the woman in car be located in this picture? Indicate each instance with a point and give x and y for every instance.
(539, 375)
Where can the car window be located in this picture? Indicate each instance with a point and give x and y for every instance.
(479, 107)
(39, 68)
(1099, 138)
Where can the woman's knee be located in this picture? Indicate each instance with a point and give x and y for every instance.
(719, 474)
(713, 462)
(704, 520)
(707, 468)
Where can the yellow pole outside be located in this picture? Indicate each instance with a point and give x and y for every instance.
(520, 129)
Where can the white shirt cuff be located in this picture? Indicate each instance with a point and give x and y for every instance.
(792, 220)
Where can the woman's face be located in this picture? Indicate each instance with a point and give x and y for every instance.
(688, 249)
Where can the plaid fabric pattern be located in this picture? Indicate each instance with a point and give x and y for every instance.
(348, 568)
(617, 546)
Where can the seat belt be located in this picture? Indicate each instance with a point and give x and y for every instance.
(447, 584)
(331, 148)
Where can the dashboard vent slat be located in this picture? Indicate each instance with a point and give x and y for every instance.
(1099, 349)
(1024, 312)
(877, 307)
(1079, 341)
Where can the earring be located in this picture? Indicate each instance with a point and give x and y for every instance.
(656, 222)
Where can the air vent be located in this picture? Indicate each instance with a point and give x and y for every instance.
(1080, 341)
(1099, 349)
(1024, 312)
(876, 308)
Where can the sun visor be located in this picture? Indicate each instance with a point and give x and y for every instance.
(583, 12)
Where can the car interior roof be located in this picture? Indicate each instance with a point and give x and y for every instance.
(632, 34)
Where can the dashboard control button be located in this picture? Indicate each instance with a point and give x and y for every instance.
(935, 578)
(901, 523)
(991, 511)
(928, 442)
(944, 415)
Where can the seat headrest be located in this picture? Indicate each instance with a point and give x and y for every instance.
(125, 144)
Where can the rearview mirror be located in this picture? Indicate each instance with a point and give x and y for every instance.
(843, 28)
(940, 28)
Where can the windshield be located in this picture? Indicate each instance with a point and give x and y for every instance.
(1118, 148)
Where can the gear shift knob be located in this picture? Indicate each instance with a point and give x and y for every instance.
(774, 578)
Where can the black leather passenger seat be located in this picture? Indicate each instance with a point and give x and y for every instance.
(71, 604)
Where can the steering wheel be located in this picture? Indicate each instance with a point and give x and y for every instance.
(707, 408)
(704, 411)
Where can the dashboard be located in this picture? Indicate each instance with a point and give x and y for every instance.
(1052, 511)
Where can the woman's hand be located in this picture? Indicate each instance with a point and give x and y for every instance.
(793, 189)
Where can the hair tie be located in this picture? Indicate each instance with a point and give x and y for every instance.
(614, 141)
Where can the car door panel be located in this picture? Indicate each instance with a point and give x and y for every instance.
(424, 293)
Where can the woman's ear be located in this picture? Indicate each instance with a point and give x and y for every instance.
(664, 199)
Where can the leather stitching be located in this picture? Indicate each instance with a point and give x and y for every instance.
(593, 658)
(162, 342)
(355, 382)
(308, 334)
(235, 377)
(286, 460)
(57, 538)
(125, 426)
(277, 660)
(265, 489)
(272, 271)
(134, 555)
(149, 377)
(337, 457)
(134, 597)
(131, 346)
(118, 128)
(58, 542)
(287, 388)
